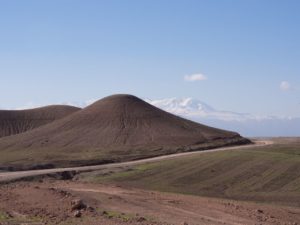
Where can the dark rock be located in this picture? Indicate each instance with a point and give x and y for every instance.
(78, 204)
(67, 175)
(141, 219)
(259, 211)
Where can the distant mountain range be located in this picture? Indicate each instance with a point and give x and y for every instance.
(244, 123)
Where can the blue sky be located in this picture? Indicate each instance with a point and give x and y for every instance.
(69, 50)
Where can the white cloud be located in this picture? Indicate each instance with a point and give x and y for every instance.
(195, 77)
(285, 86)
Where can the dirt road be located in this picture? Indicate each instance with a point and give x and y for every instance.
(114, 204)
(7, 176)
(175, 208)
(117, 205)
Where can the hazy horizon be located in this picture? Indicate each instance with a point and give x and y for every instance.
(250, 125)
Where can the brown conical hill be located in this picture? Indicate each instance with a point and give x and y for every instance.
(18, 121)
(116, 128)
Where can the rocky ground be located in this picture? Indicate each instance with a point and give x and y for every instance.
(70, 202)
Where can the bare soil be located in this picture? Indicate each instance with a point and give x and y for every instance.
(18, 121)
(49, 202)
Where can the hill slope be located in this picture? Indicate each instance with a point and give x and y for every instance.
(18, 121)
(116, 128)
(267, 174)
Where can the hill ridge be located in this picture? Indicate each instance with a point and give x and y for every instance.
(117, 128)
(13, 122)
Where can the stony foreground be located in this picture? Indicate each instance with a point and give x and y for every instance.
(71, 202)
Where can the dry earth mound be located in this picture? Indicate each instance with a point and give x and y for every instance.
(18, 121)
(116, 128)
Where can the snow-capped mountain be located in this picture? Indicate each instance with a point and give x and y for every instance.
(193, 108)
(244, 123)
(184, 106)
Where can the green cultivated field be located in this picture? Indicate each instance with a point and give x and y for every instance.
(268, 174)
